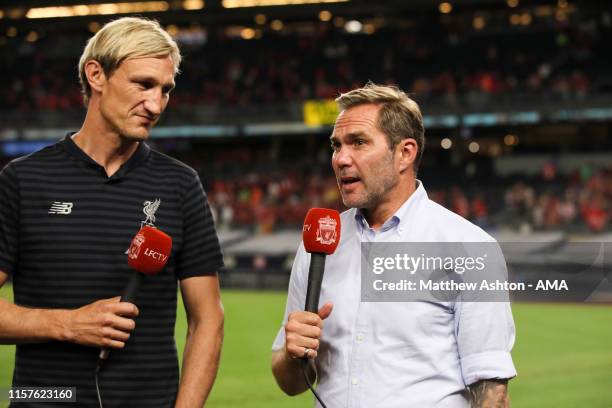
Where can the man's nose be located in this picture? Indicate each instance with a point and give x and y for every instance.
(342, 157)
(154, 102)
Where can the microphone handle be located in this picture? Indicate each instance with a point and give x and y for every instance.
(131, 289)
(129, 295)
(315, 278)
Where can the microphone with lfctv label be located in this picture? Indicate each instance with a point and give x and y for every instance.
(321, 234)
(147, 255)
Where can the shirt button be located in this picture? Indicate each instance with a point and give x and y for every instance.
(359, 337)
(354, 381)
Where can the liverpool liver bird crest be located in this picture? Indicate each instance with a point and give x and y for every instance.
(150, 207)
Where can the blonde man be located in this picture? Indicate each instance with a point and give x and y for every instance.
(67, 215)
(390, 354)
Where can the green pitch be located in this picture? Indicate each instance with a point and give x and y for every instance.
(563, 355)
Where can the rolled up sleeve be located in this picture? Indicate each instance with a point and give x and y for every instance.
(485, 336)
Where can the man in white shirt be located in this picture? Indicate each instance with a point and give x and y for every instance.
(390, 354)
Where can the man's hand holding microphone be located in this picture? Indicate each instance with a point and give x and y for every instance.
(303, 330)
(106, 323)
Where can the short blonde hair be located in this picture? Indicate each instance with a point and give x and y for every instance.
(399, 116)
(127, 37)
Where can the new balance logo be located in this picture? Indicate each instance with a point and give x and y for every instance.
(61, 208)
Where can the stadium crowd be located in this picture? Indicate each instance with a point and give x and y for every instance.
(267, 195)
(280, 197)
(439, 63)
(431, 60)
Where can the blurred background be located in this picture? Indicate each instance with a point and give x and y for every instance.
(517, 99)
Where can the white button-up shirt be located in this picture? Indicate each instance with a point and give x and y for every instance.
(401, 354)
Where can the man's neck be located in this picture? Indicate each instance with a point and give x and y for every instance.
(378, 215)
(108, 150)
(105, 147)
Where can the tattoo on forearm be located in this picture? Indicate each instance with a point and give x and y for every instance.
(489, 394)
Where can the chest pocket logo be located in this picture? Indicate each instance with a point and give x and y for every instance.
(149, 210)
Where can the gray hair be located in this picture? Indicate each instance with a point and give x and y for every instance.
(399, 116)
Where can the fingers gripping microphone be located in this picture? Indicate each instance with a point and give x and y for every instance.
(147, 255)
(321, 234)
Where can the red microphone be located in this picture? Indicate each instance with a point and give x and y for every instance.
(147, 255)
(321, 235)
(149, 251)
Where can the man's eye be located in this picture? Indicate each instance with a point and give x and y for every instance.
(335, 146)
(359, 142)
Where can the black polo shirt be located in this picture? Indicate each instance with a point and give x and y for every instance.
(65, 227)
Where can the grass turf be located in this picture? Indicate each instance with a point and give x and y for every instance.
(563, 354)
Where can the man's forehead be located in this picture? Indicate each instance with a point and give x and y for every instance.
(149, 63)
(358, 117)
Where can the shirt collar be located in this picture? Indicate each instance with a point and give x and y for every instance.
(141, 153)
(401, 216)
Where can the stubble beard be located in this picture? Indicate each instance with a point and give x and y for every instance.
(371, 199)
(375, 194)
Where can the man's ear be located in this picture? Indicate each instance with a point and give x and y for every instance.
(407, 150)
(95, 75)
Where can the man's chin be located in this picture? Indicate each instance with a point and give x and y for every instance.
(136, 136)
(352, 202)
